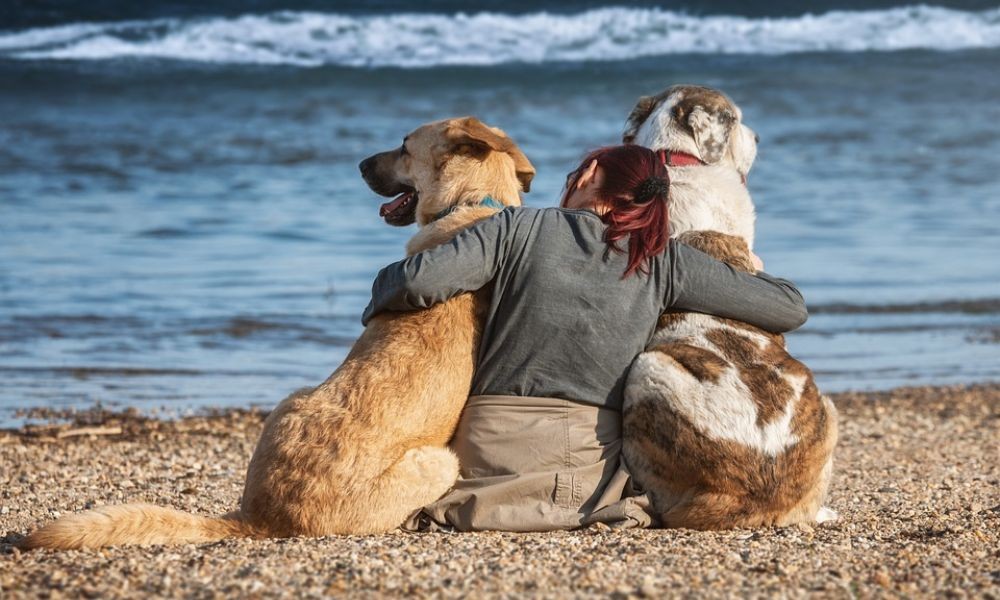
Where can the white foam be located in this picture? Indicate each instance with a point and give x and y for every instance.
(427, 40)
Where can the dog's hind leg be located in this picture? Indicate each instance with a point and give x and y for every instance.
(712, 511)
(420, 477)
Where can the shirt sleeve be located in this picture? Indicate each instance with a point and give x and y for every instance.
(702, 284)
(466, 263)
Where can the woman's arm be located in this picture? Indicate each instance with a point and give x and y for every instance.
(702, 284)
(466, 263)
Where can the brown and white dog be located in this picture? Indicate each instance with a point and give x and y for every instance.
(720, 425)
(366, 448)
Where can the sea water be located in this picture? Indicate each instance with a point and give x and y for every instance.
(182, 223)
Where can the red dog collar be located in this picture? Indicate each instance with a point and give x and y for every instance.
(679, 159)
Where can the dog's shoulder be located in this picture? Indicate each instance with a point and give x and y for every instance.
(444, 229)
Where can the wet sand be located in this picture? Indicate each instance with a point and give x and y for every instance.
(917, 486)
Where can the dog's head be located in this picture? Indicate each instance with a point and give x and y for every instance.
(441, 164)
(697, 120)
(730, 249)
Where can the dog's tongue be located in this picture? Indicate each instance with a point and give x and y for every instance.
(391, 207)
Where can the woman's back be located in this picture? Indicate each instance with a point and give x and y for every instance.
(563, 322)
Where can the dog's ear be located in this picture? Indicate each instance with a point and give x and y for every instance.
(643, 108)
(711, 129)
(522, 166)
(472, 136)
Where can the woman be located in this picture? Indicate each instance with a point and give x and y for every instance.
(577, 292)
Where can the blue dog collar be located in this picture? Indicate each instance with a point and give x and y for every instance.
(488, 201)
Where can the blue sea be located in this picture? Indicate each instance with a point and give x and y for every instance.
(182, 223)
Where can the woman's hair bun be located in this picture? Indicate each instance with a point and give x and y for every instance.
(635, 187)
(652, 187)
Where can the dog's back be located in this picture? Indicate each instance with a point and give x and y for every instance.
(722, 426)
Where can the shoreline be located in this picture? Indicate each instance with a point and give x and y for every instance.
(44, 423)
(916, 483)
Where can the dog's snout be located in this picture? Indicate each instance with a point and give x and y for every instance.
(756, 138)
(366, 166)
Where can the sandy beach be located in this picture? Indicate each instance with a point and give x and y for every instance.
(917, 487)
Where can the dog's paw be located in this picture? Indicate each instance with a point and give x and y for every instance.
(432, 465)
(826, 515)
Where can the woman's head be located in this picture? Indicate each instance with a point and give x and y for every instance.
(628, 187)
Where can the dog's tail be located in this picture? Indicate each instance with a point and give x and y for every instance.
(137, 524)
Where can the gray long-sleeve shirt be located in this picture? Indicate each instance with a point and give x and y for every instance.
(562, 322)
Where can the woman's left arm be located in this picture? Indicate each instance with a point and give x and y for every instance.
(466, 263)
(704, 284)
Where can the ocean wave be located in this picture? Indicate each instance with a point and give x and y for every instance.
(429, 40)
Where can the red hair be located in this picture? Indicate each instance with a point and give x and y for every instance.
(635, 188)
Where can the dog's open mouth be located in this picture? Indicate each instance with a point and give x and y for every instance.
(401, 211)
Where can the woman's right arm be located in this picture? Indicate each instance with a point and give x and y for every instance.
(465, 263)
(703, 284)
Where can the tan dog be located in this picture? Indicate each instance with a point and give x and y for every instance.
(366, 448)
(722, 427)
(709, 153)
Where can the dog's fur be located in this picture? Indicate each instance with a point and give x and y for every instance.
(366, 448)
(720, 425)
(723, 428)
(706, 124)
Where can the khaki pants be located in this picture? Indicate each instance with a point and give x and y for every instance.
(536, 464)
